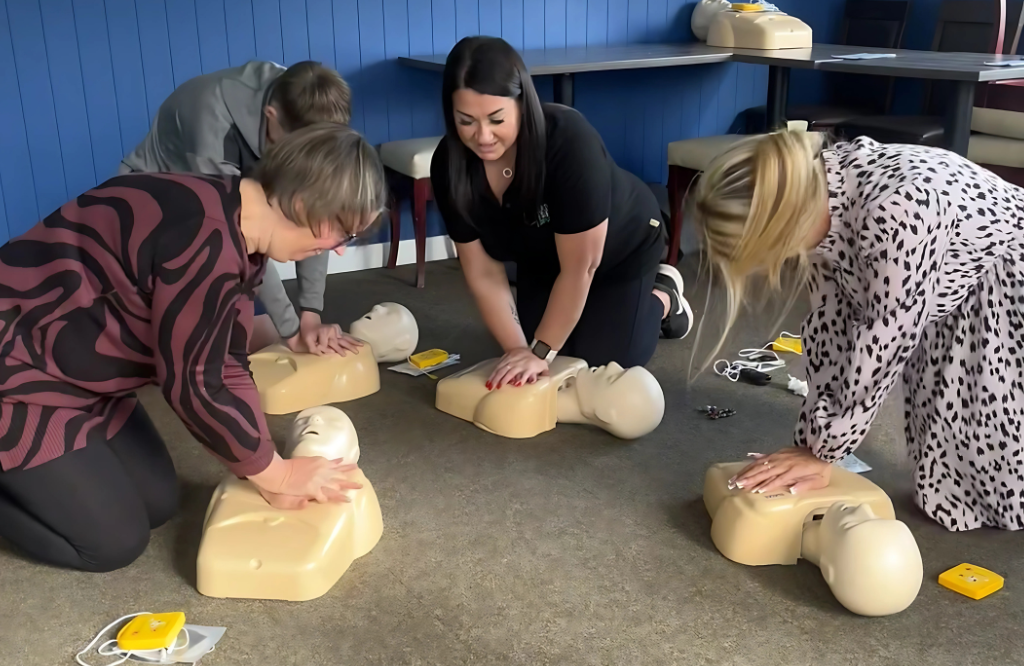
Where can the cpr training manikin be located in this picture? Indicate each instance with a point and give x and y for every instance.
(251, 550)
(869, 559)
(626, 403)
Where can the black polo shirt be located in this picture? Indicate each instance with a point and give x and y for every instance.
(582, 187)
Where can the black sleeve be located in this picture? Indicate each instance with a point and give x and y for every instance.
(578, 180)
(459, 230)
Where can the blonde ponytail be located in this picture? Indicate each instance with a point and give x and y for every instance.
(756, 206)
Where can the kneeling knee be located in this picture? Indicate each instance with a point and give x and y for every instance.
(115, 550)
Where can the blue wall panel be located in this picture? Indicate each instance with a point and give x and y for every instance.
(89, 75)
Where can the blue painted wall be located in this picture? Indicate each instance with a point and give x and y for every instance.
(88, 75)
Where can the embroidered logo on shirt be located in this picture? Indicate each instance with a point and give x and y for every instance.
(542, 216)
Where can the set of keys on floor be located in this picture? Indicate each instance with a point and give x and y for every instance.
(714, 412)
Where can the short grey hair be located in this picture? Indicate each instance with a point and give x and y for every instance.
(326, 171)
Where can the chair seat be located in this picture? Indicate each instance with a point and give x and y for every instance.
(697, 153)
(919, 130)
(998, 122)
(410, 157)
(996, 150)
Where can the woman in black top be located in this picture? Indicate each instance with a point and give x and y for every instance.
(519, 181)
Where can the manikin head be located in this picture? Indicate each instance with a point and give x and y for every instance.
(324, 431)
(873, 565)
(390, 330)
(627, 403)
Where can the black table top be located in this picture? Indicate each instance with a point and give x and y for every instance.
(907, 63)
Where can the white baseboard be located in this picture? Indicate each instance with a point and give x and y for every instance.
(365, 257)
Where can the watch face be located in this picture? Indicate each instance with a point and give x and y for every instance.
(541, 350)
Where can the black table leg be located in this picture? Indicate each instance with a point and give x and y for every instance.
(563, 89)
(778, 96)
(958, 117)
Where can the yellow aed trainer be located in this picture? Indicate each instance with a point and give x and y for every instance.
(971, 581)
(429, 358)
(152, 631)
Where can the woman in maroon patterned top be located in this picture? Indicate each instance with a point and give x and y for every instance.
(150, 278)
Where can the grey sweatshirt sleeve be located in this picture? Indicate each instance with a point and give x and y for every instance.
(278, 305)
(312, 275)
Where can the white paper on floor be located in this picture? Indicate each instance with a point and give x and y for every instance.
(852, 463)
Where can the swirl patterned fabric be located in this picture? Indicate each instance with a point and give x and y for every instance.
(144, 279)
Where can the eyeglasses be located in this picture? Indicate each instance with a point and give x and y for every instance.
(344, 242)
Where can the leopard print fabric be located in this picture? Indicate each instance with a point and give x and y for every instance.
(921, 277)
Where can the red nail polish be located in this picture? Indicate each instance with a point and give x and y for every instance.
(488, 386)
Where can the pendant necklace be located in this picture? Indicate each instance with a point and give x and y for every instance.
(507, 172)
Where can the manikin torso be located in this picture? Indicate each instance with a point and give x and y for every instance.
(251, 550)
(290, 382)
(390, 329)
(626, 403)
(849, 529)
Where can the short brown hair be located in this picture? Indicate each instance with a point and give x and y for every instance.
(307, 93)
(326, 171)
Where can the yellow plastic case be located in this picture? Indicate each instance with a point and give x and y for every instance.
(971, 581)
(428, 358)
(787, 344)
(151, 631)
(747, 7)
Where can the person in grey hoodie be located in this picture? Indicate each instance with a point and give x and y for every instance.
(219, 124)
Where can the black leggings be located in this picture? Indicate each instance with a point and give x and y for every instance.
(621, 320)
(92, 509)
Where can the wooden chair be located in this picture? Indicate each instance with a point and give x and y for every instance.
(407, 164)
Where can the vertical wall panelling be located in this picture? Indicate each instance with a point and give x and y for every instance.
(657, 25)
(512, 23)
(37, 103)
(597, 22)
(575, 23)
(426, 112)
(268, 29)
(467, 18)
(443, 15)
(371, 83)
(3, 215)
(89, 75)
(129, 80)
(636, 21)
(16, 179)
(213, 34)
(241, 34)
(183, 29)
(101, 108)
(618, 20)
(347, 58)
(490, 18)
(396, 42)
(157, 72)
(320, 16)
(533, 24)
(65, 73)
(294, 33)
(554, 24)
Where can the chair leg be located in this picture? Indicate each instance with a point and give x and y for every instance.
(421, 192)
(679, 179)
(396, 230)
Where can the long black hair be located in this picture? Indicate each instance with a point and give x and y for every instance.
(490, 66)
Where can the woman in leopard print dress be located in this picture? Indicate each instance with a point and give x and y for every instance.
(915, 260)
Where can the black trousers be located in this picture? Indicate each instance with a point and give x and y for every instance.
(92, 509)
(621, 320)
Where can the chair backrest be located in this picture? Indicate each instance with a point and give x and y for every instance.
(874, 23)
(965, 26)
